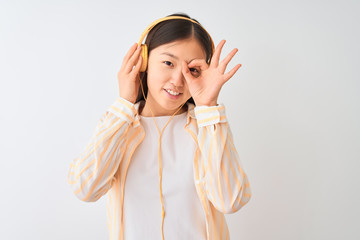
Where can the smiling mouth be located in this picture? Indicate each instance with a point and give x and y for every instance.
(171, 92)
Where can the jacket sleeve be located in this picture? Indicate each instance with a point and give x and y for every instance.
(226, 184)
(91, 174)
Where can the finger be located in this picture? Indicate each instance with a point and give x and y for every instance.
(227, 59)
(127, 56)
(200, 63)
(129, 53)
(132, 61)
(231, 73)
(136, 69)
(186, 72)
(216, 57)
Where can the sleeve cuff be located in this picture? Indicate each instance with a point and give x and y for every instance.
(206, 115)
(123, 109)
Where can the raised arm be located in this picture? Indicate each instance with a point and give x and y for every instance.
(91, 174)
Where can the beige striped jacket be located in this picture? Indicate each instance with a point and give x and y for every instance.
(219, 177)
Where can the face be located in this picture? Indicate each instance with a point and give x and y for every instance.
(167, 88)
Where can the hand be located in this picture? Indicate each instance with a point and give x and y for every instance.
(205, 88)
(128, 75)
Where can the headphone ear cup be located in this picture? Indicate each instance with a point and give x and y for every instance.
(144, 55)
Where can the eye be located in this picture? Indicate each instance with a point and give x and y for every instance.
(195, 72)
(168, 63)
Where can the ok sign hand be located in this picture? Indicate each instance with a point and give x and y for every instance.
(205, 88)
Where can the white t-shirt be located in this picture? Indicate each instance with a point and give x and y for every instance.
(184, 216)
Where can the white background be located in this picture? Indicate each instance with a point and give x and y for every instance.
(293, 107)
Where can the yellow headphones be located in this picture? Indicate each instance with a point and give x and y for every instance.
(144, 48)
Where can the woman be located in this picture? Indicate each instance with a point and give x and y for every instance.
(163, 152)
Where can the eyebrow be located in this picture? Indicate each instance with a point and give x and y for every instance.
(175, 57)
(170, 55)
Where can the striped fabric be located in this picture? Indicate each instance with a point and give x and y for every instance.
(219, 177)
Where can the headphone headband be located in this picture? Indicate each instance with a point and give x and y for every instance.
(153, 24)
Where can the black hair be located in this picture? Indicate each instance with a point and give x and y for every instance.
(173, 30)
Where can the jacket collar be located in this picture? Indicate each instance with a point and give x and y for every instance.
(190, 113)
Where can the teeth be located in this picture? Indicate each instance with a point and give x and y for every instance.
(172, 93)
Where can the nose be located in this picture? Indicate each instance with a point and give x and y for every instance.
(177, 78)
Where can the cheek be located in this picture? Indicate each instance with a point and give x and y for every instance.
(155, 86)
(152, 79)
(152, 86)
(157, 78)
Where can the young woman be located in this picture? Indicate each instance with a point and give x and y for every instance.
(163, 152)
